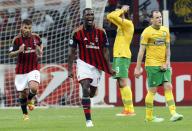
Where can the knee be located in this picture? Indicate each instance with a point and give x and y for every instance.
(23, 94)
(92, 95)
(85, 87)
(168, 86)
(122, 82)
(153, 90)
(33, 85)
(93, 91)
(86, 92)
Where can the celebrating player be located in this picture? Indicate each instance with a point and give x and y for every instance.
(27, 47)
(93, 57)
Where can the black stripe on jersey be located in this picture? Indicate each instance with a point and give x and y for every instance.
(97, 51)
(79, 36)
(20, 57)
(100, 51)
(93, 36)
(105, 62)
(24, 56)
(89, 51)
(32, 56)
(29, 44)
(27, 56)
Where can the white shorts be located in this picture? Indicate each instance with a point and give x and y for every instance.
(22, 80)
(87, 71)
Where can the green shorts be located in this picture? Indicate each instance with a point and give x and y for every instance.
(121, 66)
(156, 77)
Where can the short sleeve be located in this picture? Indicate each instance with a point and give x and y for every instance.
(15, 45)
(73, 41)
(105, 41)
(168, 36)
(144, 38)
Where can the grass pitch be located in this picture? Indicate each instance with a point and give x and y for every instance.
(104, 119)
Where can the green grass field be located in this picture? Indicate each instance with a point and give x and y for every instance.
(72, 119)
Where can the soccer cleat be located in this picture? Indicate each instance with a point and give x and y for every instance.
(155, 119)
(126, 113)
(89, 123)
(25, 117)
(176, 117)
(31, 105)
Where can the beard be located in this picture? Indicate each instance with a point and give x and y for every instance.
(26, 34)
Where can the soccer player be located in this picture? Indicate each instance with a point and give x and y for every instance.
(93, 57)
(122, 55)
(155, 39)
(27, 46)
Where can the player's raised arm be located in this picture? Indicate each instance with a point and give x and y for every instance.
(117, 17)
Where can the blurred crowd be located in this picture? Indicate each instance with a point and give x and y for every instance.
(50, 24)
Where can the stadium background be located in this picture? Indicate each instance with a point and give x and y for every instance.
(54, 20)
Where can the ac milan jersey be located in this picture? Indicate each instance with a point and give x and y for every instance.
(27, 60)
(91, 44)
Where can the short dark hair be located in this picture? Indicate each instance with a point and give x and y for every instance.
(151, 15)
(86, 10)
(27, 22)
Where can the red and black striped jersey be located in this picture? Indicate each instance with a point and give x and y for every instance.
(27, 60)
(91, 44)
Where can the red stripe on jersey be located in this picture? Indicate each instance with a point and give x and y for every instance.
(30, 62)
(90, 51)
(103, 42)
(93, 53)
(101, 51)
(97, 57)
(78, 37)
(87, 111)
(26, 55)
(20, 57)
(91, 44)
(83, 44)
